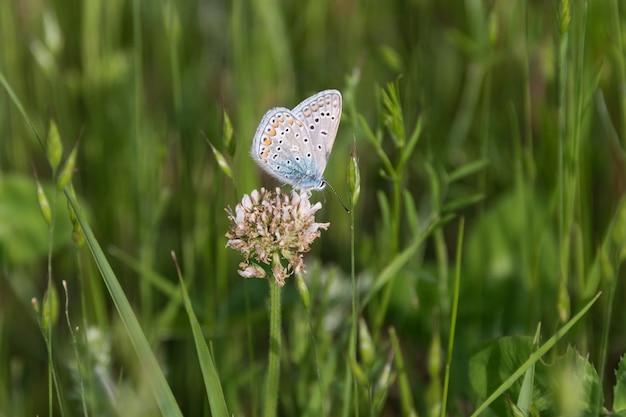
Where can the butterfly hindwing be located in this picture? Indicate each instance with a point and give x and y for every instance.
(294, 145)
(321, 114)
(283, 147)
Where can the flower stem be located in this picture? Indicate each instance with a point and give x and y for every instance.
(273, 369)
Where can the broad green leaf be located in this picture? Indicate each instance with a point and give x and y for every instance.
(498, 364)
(619, 392)
(493, 363)
(573, 384)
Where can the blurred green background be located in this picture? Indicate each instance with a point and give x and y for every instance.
(521, 115)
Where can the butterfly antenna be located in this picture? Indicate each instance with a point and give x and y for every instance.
(337, 195)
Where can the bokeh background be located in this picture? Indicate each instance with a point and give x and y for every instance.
(519, 113)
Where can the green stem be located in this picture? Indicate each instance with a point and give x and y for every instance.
(621, 66)
(273, 369)
(355, 321)
(453, 317)
(395, 244)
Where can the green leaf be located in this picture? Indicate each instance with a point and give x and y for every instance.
(399, 261)
(149, 364)
(357, 372)
(385, 380)
(410, 210)
(221, 161)
(574, 385)
(494, 362)
(407, 150)
(392, 116)
(406, 398)
(228, 134)
(619, 391)
(524, 400)
(65, 176)
(462, 202)
(467, 170)
(435, 186)
(391, 57)
(212, 383)
(23, 231)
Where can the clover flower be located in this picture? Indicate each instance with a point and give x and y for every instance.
(268, 227)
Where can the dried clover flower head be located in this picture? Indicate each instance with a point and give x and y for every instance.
(268, 227)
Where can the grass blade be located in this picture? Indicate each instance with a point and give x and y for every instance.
(161, 390)
(211, 379)
(534, 357)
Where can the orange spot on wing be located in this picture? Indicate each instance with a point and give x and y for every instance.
(272, 132)
(267, 141)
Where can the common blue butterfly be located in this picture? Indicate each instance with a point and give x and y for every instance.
(293, 146)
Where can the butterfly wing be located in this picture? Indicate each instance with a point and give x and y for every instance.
(321, 114)
(284, 148)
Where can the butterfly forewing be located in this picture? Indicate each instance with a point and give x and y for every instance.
(284, 148)
(321, 114)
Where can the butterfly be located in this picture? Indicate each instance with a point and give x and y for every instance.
(293, 146)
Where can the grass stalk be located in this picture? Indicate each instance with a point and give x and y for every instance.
(453, 316)
(273, 364)
(79, 364)
(538, 354)
(621, 66)
(355, 296)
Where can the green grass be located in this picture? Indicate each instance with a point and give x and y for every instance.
(490, 140)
